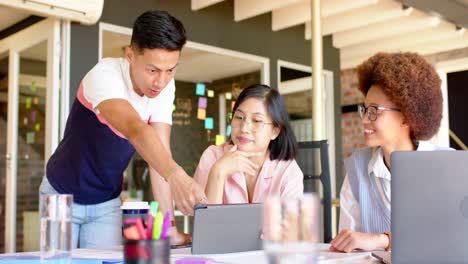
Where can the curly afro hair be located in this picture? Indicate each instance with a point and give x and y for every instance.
(412, 84)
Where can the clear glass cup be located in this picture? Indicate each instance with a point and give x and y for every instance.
(291, 229)
(147, 251)
(55, 214)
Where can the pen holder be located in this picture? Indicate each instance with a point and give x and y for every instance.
(147, 251)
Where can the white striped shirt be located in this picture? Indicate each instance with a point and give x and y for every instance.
(350, 213)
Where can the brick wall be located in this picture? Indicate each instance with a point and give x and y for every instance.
(351, 128)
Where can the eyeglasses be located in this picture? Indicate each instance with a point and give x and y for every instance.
(255, 125)
(372, 111)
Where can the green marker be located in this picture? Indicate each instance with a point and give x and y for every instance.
(158, 221)
(154, 208)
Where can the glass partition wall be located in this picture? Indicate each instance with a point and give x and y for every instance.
(29, 103)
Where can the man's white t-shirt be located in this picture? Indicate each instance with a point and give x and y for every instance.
(90, 160)
(110, 79)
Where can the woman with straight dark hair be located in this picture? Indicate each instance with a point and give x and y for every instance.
(260, 158)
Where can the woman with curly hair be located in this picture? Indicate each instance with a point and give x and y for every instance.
(402, 107)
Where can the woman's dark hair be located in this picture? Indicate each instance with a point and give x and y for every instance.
(283, 147)
(158, 30)
(412, 84)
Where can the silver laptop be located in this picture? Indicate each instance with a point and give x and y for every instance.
(227, 228)
(430, 207)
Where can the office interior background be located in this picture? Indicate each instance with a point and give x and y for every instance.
(45, 52)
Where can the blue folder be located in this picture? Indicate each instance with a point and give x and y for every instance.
(37, 260)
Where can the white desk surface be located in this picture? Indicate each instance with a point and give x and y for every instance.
(260, 258)
(257, 257)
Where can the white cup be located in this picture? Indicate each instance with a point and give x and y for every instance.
(132, 210)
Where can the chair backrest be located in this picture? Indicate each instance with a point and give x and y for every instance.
(313, 161)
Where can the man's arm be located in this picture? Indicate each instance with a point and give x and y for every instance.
(160, 188)
(121, 115)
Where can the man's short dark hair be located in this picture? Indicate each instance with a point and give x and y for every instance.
(158, 30)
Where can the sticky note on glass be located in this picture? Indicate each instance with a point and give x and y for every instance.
(219, 140)
(37, 127)
(230, 116)
(201, 113)
(228, 96)
(202, 101)
(36, 100)
(33, 87)
(209, 123)
(28, 102)
(33, 116)
(30, 137)
(210, 93)
(25, 121)
(200, 89)
(173, 107)
(228, 130)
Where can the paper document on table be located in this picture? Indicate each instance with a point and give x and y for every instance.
(326, 256)
(106, 254)
(259, 256)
